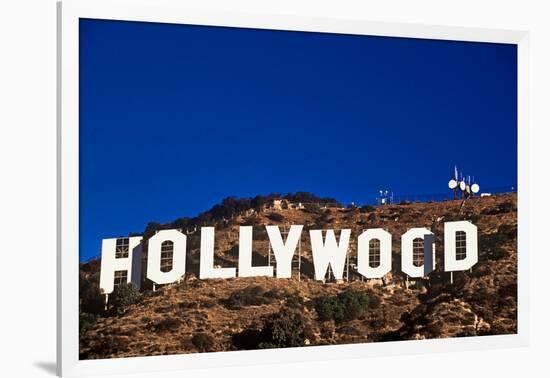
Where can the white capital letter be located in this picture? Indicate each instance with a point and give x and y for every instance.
(177, 245)
(207, 269)
(245, 256)
(467, 239)
(284, 252)
(329, 252)
(130, 248)
(364, 265)
(428, 250)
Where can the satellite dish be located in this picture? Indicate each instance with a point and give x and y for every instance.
(475, 188)
(452, 184)
(462, 185)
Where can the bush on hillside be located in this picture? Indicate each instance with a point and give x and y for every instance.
(347, 305)
(286, 328)
(294, 301)
(91, 299)
(123, 296)
(85, 322)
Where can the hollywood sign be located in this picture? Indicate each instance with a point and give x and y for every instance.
(122, 263)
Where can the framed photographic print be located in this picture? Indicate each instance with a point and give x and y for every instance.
(238, 188)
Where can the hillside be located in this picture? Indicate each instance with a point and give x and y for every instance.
(216, 315)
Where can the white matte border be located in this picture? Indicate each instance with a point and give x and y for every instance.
(169, 11)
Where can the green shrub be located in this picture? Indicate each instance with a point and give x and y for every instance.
(284, 329)
(91, 299)
(347, 305)
(328, 308)
(85, 322)
(123, 296)
(354, 302)
(294, 301)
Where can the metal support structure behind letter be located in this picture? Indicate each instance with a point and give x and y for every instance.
(300, 258)
(347, 265)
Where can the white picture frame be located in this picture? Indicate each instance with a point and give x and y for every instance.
(165, 11)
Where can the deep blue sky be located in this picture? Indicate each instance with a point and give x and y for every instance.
(173, 118)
